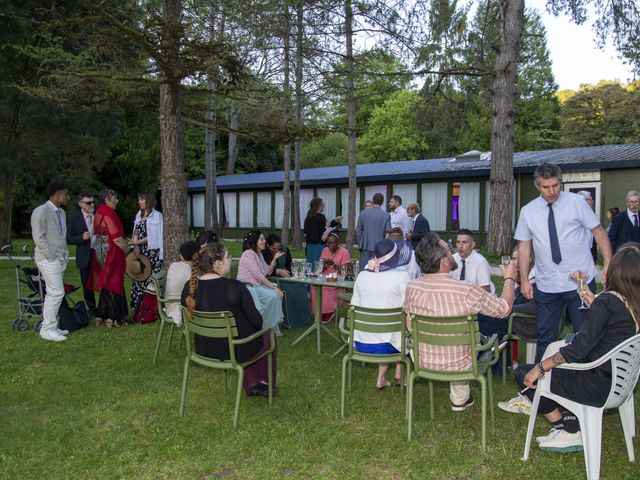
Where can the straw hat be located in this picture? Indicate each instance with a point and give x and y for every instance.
(138, 269)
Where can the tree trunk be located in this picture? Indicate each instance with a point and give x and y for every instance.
(210, 188)
(234, 114)
(9, 186)
(503, 134)
(297, 234)
(351, 124)
(286, 120)
(173, 178)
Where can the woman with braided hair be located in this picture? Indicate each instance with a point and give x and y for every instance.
(209, 291)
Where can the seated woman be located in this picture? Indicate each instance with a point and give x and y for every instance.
(209, 291)
(296, 295)
(382, 285)
(179, 273)
(253, 270)
(334, 257)
(614, 317)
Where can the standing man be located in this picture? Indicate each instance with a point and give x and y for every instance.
(559, 226)
(399, 217)
(80, 233)
(48, 229)
(372, 223)
(625, 227)
(419, 225)
(472, 266)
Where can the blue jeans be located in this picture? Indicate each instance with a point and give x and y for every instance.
(549, 310)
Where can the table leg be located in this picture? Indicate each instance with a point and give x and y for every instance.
(318, 314)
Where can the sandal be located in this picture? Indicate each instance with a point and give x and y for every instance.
(108, 323)
(384, 385)
(98, 321)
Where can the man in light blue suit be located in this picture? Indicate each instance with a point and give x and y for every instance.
(372, 223)
(49, 230)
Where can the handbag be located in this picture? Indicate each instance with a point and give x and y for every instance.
(73, 318)
(101, 246)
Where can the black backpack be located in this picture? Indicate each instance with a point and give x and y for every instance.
(73, 318)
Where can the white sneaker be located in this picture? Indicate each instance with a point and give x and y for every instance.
(519, 404)
(548, 436)
(562, 441)
(53, 335)
(62, 332)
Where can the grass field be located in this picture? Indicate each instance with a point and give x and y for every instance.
(93, 407)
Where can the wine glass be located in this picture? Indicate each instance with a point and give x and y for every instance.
(582, 288)
(505, 260)
(319, 267)
(341, 272)
(305, 268)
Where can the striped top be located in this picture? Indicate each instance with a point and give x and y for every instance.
(439, 295)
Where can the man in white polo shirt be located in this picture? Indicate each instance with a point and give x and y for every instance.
(472, 266)
(399, 217)
(559, 226)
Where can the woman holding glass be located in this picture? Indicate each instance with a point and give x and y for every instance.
(614, 317)
(253, 270)
(315, 225)
(334, 259)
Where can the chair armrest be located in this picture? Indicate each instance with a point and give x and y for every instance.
(584, 366)
(343, 328)
(510, 321)
(493, 341)
(259, 333)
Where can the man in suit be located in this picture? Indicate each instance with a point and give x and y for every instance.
(625, 227)
(419, 225)
(80, 234)
(372, 223)
(48, 229)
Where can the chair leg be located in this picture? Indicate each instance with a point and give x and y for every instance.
(532, 423)
(236, 412)
(185, 378)
(409, 405)
(504, 366)
(627, 417)
(173, 325)
(158, 341)
(483, 394)
(591, 427)
(270, 378)
(349, 377)
(343, 391)
(431, 402)
(490, 387)
(226, 375)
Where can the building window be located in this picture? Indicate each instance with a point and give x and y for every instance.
(344, 205)
(434, 205)
(246, 210)
(407, 191)
(229, 209)
(466, 205)
(328, 195)
(263, 217)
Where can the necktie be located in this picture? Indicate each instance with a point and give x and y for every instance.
(463, 271)
(553, 237)
(635, 220)
(89, 222)
(59, 215)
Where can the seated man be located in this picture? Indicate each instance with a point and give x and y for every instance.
(436, 294)
(472, 266)
(179, 273)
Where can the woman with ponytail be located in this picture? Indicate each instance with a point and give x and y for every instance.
(209, 291)
(253, 270)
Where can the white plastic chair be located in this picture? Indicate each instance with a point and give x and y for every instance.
(625, 368)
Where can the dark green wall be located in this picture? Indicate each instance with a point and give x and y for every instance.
(615, 185)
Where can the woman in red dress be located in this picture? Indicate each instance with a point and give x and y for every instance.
(107, 271)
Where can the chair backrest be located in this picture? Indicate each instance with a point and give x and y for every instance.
(445, 332)
(159, 280)
(376, 320)
(211, 325)
(625, 369)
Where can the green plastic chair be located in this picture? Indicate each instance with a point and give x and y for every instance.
(450, 332)
(341, 314)
(159, 280)
(530, 342)
(222, 325)
(372, 320)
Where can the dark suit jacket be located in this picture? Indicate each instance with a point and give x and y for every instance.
(75, 228)
(622, 231)
(372, 223)
(420, 229)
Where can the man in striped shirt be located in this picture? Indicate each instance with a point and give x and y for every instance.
(437, 294)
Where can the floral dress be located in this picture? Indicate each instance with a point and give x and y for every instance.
(137, 288)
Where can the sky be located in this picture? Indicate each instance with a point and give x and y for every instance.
(575, 56)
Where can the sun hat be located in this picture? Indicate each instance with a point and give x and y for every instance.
(389, 254)
(138, 269)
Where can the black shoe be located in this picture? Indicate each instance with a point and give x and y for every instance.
(464, 406)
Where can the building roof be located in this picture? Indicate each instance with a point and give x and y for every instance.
(472, 164)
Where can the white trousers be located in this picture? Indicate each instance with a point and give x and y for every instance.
(52, 272)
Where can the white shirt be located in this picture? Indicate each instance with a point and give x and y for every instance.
(380, 290)
(477, 270)
(574, 222)
(632, 217)
(179, 273)
(88, 220)
(154, 230)
(399, 218)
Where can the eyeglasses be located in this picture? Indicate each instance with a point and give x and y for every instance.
(88, 203)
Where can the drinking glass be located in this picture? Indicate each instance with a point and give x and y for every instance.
(582, 287)
(319, 267)
(305, 268)
(506, 260)
(341, 272)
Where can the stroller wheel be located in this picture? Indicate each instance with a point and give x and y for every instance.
(20, 325)
(38, 326)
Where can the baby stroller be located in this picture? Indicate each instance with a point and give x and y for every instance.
(31, 291)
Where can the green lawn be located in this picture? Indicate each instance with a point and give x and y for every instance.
(94, 407)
